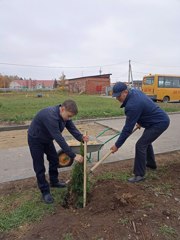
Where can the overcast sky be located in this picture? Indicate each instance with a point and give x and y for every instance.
(78, 37)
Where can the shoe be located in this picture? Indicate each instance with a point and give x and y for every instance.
(136, 179)
(151, 167)
(47, 197)
(59, 185)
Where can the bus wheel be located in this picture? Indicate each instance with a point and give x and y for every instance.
(166, 99)
(64, 159)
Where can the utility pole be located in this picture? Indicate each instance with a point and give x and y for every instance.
(130, 76)
(100, 71)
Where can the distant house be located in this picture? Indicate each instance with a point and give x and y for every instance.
(90, 84)
(32, 84)
(18, 84)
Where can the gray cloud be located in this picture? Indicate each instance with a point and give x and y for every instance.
(89, 33)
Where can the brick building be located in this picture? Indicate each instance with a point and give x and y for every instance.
(90, 84)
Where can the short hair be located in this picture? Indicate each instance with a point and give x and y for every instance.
(70, 106)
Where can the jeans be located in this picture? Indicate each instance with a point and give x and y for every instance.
(38, 149)
(144, 150)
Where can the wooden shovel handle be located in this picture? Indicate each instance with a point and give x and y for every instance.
(85, 172)
(100, 161)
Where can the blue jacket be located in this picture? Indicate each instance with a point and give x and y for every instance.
(140, 109)
(48, 125)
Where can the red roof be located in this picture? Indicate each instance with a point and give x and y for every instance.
(33, 83)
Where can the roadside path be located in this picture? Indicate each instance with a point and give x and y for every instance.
(16, 163)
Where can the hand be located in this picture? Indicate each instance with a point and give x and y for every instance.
(79, 158)
(85, 138)
(114, 149)
(138, 126)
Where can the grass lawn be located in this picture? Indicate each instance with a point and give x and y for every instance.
(24, 207)
(20, 107)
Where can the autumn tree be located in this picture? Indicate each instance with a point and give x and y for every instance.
(5, 80)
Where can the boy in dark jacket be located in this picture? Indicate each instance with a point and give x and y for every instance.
(140, 110)
(47, 126)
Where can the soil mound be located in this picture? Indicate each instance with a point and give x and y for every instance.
(111, 195)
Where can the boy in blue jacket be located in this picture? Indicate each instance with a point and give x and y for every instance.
(140, 110)
(47, 126)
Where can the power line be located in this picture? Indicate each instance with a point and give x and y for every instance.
(156, 65)
(80, 67)
(43, 66)
(140, 72)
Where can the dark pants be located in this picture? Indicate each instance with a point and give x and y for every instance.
(144, 149)
(38, 149)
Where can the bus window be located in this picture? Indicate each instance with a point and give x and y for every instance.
(160, 83)
(176, 83)
(168, 82)
(149, 81)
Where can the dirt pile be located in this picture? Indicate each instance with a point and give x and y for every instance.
(118, 210)
(110, 196)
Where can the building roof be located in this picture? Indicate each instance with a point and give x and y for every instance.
(26, 83)
(94, 76)
(22, 83)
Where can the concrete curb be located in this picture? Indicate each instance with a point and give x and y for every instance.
(22, 127)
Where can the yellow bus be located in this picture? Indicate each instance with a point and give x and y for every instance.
(164, 88)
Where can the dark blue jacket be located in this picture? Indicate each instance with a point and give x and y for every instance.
(48, 125)
(140, 109)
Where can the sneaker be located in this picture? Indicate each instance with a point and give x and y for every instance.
(136, 179)
(151, 167)
(59, 185)
(47, 197)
